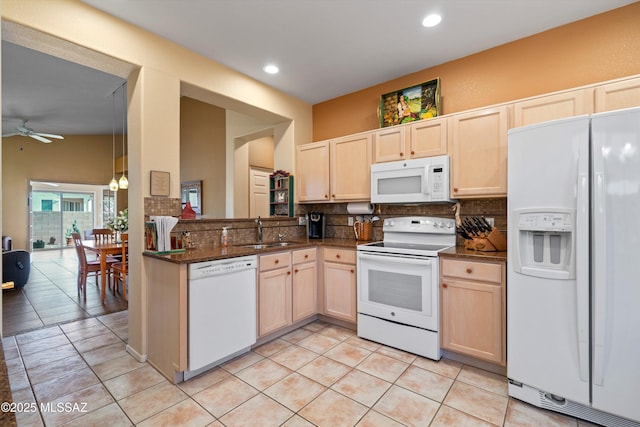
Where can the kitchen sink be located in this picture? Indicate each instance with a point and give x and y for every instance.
(266, 245)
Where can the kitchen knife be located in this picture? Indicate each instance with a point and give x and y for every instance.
(463, 233)
(480, 224)
(470, 227)
(489, 226)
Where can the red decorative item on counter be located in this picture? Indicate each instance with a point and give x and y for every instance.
(188, 212)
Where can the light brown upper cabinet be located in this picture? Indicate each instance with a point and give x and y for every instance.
(552, 107)
(351, 167)
(478, 149)
(424, 138)
(618, 95)
(313, 172)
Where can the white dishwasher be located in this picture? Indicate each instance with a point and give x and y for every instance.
(222, 311)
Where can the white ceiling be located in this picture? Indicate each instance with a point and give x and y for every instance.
(324, 48)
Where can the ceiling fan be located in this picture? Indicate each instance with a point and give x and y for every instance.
(23, 130)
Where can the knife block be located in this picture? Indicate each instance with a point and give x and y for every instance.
(492, 242)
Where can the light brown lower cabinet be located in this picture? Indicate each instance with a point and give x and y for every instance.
(287, 291)
(339, 273)
(473, 308)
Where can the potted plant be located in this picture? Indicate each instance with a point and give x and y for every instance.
(120, 223)
(73, 229)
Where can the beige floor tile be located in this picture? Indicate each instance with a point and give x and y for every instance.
(115, 367)
(14, 365)
(450, 417)
(66, 384)
(110, 415)
(239, 363)
(525, 415)
(315, 326)
(483, 379)
(475, 401)
(376, 419)
(426, 383)
(133, 382)
(446, 367)
(256, 412)
(318, 343)
(185, 413)
(296, 336)
(272, 347)
(324, 370)
(92, 343)
(151, 401)
(19, 380)
(400, 355)
(45, 357)
(38, 335)
(204, 380)
(361, 342)
(10, 348)
(43, 344)
(407, 407)
(56, 369)
(26, 397)
(337, 332)
(263, 374)
(294, 357)
(222, 397)
(361, 387)
(294, 391)
(103, 354)
(88, 400)
(347, 354)
(88, 332)
(297, 421)
(332, 409)
(80, 324)
(381, 366)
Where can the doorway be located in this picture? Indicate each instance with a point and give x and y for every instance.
(258, 192)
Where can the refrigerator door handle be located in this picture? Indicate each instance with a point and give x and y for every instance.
(582, 276)
(599, 279)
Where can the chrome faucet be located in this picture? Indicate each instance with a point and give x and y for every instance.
(280, 235)
(259, 222)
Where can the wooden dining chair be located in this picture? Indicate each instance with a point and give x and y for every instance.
(104, 235)
(120, 268)
(86, 267)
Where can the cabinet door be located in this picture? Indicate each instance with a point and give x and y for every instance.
(340, 291)
(389, 144)
(351, 168)
(428, 138)
(304, 290)
(618, 95)
(274, 300)
(552, 107)
(472, 319)
(313, 172)
(479, 153)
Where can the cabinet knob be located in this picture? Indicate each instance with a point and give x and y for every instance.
(276, 261)
(326, 197)
(333, 195)
(295, 271)
(338, 256)
(444, 285)
(455, 189)
(352, 271)
(306, 256)
(413, 152)
(288, 273)
(469, 270)
(401, 154)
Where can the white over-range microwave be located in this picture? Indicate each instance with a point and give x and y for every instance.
(411, 181)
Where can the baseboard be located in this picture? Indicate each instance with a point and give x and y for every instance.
(139, 357)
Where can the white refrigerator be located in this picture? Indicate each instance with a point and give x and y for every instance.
(573, 278)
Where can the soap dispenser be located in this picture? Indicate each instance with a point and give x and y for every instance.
(224, 239)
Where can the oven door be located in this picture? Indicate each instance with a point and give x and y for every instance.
(399, 288)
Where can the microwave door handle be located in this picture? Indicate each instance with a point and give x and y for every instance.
(395, 259)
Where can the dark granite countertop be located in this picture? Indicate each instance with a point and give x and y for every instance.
(236, 250)
(461, 252)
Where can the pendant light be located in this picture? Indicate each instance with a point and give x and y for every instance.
(123, 182)
(113, 184)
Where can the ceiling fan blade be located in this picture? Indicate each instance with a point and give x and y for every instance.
(39, 138)
(7, 135)
(50, 135)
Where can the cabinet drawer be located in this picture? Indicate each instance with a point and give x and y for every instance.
(304, 255)
(278, 260)
(485, 271)
(345, 256)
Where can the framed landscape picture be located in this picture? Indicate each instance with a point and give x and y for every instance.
(410, 104)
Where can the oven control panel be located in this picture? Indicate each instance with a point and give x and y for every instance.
(420, 225)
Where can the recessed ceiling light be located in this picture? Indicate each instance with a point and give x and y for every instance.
(432, 20)
(271, 69)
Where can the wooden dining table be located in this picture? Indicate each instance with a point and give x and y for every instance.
(103, 250)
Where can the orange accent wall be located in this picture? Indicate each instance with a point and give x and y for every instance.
(599, 48)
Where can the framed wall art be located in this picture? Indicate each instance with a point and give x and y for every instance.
(160, 183)
(417, 102)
